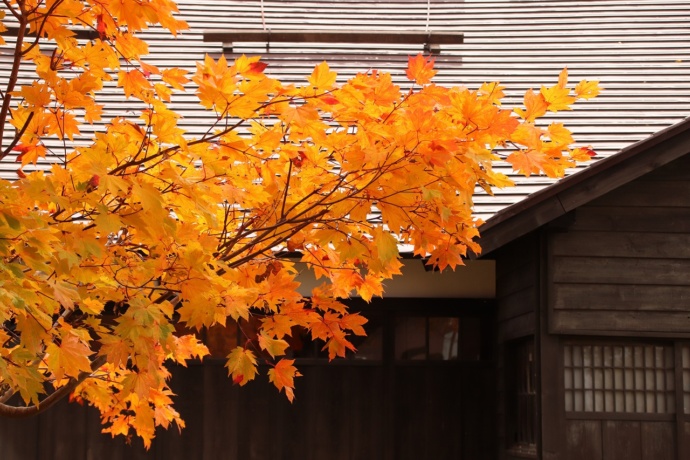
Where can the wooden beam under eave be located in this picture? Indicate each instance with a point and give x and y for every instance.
(331, 36)
(81, 34)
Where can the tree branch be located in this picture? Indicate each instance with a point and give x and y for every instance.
(7, 410)
(14, 75)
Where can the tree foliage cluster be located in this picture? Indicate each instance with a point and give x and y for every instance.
(140, 232)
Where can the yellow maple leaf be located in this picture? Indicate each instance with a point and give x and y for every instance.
(322, 78)
(69, 359)
(274, 347)
(241, 364)
(558, 96)
(587, 89)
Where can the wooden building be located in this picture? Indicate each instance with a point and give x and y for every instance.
(593, 310)
(568, 339)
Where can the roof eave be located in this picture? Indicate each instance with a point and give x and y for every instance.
(571, 192)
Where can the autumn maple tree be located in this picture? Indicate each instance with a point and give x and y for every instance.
(138, 233)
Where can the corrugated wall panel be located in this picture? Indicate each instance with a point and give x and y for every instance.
(639, 50)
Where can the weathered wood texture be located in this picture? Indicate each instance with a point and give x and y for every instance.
(619, 440)
(623, 264)
(439, 411)
(517, 280)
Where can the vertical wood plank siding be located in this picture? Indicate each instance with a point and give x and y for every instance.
(517, 297)
(439, 412)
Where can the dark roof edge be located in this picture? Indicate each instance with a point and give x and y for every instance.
(565, 195)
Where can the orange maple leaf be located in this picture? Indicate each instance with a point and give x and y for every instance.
(535, 106)
(175, 78)
(282, 375)
(354, 322)
(133, 82)
(420, 69)
(526, 162)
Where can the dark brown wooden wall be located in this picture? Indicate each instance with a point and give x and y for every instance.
(618, 266)
(517, 294)
(517, 281)
(406, 411)
(622, 265)
(619, 439)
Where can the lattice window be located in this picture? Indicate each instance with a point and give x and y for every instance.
(620, 378)
(685, 363)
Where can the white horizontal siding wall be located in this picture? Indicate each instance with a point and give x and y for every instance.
(639, 50)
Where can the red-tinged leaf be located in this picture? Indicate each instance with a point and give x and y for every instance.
(582, 154)
(283, 375)
(241, 365)
(148, 69)
(328, 99)
(420, 69)
(100, 26)
(257, 67)
(93, 183)
(249, 66)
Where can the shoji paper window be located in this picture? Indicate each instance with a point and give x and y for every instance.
(685, 362)
(624, 378)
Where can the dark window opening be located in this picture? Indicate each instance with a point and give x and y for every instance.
(521, 396)
(439, 338)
